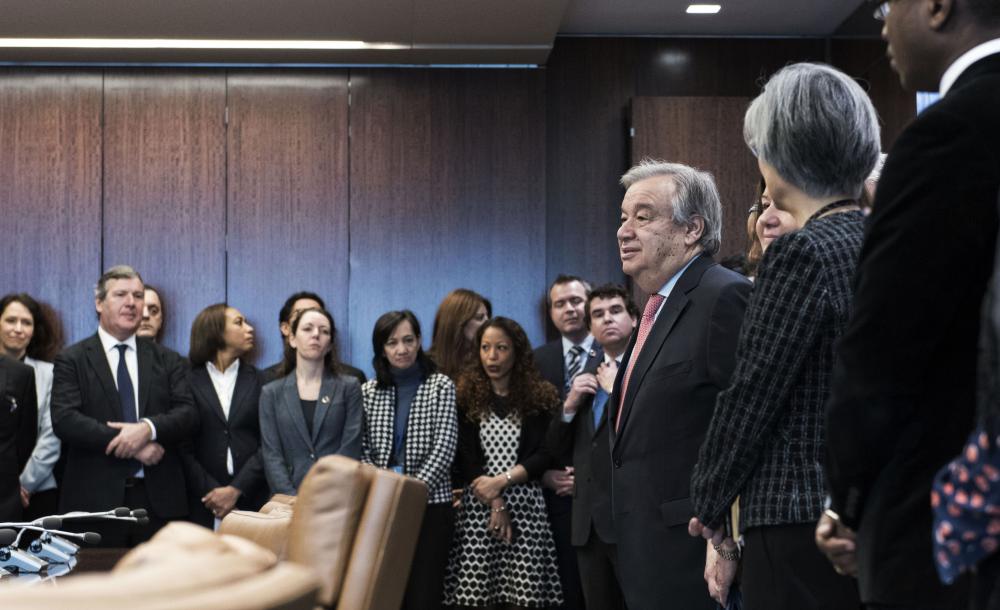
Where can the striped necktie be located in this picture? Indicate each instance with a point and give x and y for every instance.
(574, 362)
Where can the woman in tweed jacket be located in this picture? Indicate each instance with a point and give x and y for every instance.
(411, 426)
(816, 138)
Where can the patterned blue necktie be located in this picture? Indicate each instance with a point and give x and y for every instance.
(574, 363)
(600, 399)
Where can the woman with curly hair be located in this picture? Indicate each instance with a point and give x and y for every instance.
(503, 553)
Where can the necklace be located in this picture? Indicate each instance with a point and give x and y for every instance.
(835, 205)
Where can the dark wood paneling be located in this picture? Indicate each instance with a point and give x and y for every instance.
(707, 133)
(588, 86)
(288, 196)
(447, 191)
(866, 61)
(164, 187)
(50, 190)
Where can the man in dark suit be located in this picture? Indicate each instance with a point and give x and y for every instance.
(18, 431)
(681, 356)
(581, 431)
(121, 406)
(293, 305)
(559, 362)
(903, 396)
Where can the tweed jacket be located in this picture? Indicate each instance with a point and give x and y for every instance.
(431, 432)
(766, 441)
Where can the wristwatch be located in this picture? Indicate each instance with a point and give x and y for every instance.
(733, 555)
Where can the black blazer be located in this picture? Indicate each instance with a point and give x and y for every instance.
(84, 397)
(591, 459)
(904, 386)
(205, 456)
(18, 430)
(687, 360)
(532, 452)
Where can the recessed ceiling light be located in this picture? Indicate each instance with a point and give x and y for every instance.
(182, 43)
(704, 9)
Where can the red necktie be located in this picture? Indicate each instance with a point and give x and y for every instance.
(645, 325)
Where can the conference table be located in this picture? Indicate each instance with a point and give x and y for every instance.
(87, 560)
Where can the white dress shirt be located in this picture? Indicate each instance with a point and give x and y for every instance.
(224, 383)
(111, 352)
(586, 344)
(669, 286)
(960, 65)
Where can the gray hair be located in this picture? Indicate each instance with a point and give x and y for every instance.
(817, 128)
(696, 195)
(118, 272)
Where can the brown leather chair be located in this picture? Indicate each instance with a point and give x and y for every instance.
(268, 529)
(357, 527)
(184, 567)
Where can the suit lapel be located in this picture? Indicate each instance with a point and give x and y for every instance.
(670, 313)
(293, 407)
(201, 381)
(144, 355)
(244, 386)
(323, 405)
(99, 364)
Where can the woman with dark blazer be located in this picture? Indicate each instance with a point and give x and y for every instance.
(816, 138)
(222, 462)
(503, 552)
(411, 426)
(312, 411)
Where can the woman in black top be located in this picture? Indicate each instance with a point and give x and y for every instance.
(816, 138)
(503, 553)
(222, 464)
(411, 426)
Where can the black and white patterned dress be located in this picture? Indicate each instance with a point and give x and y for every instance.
(483, 570)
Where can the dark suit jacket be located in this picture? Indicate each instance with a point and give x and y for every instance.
(288, 450)
(84, 397)
(904, 386)
(551, 364)
(274, 372)
(18, 430)
(591, 460)
(205, 455)
(687, 359)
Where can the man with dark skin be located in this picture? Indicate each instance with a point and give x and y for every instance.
(904, 385)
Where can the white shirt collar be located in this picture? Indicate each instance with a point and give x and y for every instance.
(229, 372)
(608, 358)
(968, 58)
(108, 342)
(585, 344)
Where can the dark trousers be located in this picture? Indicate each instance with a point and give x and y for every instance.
(598, 563)
(986, 584)
(124, 534)
(560, 518)
(425, 587)
(42, 504)
(783, 570)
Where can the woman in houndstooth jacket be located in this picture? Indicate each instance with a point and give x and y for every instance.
(411, 426)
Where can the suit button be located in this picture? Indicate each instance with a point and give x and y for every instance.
(618, 463)
(593, 445)
(312, 456)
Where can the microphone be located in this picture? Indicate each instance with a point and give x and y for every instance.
(7, 537)
(48, 523)
(121, 511)
(17, 561)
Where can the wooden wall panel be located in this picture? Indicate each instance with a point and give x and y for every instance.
(50, 190)
(288, 197)
(866, 61)
(164, 187)
(707, 133)
(447, 191)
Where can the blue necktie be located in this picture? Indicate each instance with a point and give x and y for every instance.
(600, 399)
(126, 393)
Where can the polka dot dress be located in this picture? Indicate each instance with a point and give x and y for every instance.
(483, 570)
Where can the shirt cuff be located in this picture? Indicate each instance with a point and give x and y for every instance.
(567, 417)
(151, 427)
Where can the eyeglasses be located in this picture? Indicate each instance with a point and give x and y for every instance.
(881, 11)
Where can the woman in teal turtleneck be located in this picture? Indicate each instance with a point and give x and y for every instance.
(411, 426)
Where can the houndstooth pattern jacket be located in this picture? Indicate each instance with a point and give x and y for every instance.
(431, 432)
(767, 438)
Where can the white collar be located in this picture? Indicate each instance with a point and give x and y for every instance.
(108, 342)
(585, 344)
(990, 47)
(608, 358)
(231, 371)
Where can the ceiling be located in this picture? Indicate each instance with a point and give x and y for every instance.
(419, 32)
